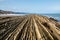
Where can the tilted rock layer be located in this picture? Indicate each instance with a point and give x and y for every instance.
(29, 27)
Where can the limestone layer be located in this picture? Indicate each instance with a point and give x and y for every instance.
(29, 27)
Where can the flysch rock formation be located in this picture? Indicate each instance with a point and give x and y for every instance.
(29, 27)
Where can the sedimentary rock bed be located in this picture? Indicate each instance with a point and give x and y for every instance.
(29, 27)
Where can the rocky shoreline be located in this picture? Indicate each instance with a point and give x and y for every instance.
(29, 27)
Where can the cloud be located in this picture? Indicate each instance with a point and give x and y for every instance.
(2, 0)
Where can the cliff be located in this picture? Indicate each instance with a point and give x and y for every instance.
(6, 12)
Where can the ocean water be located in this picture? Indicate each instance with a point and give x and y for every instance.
(55, 16)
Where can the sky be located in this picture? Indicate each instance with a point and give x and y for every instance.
(31, 6)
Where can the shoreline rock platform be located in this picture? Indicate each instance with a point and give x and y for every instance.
(29, 27)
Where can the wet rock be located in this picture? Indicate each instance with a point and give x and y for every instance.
(53, 19)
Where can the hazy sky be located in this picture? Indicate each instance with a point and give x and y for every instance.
(31, 6)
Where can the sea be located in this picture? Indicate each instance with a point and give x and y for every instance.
(55, 16)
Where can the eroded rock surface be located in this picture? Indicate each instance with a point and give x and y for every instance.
(29, 27)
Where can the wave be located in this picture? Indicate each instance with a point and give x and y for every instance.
(55, 17)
